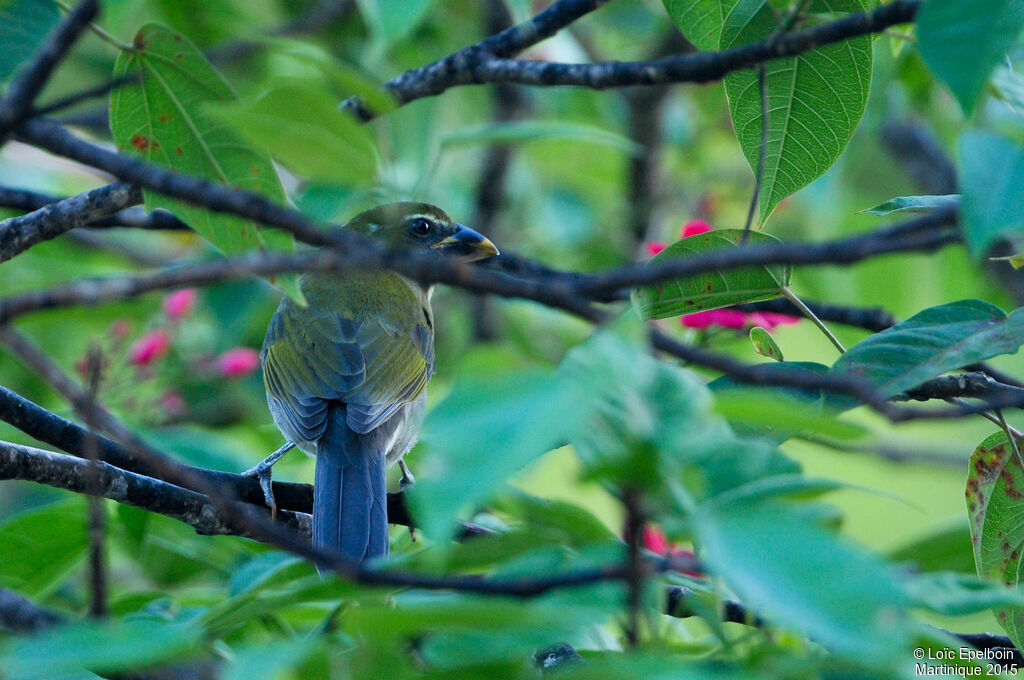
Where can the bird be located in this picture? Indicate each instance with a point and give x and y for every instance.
(346, 374)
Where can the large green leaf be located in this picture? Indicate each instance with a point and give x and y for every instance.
(992, 177)
(714, 289)
(479, 436)
(700, 21)
(995, 495)
(299, 123)
(41, 546)
(777, 560)
(815, 100)
(23, 25)
(101, 647)
(162, 120)
(963, 40)
(932, 342)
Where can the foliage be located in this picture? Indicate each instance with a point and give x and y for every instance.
(623, 476)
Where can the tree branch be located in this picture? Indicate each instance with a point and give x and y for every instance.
(18, 615)
(137, 217)
(18, 234)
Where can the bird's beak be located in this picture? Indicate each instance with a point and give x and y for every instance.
(467, 244)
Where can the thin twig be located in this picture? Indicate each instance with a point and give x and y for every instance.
(791, 296)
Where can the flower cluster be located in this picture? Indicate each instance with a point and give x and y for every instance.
(728, 317)
(150, 378)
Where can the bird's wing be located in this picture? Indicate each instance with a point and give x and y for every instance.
(374, 365)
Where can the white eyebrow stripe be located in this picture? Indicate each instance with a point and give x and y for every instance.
(430, 218)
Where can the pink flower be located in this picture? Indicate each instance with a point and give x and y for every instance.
(149, 347)
(654, 540)
(769, 320)
(179, 304)
(172, 403)
(655, 247)
(726, 318)
(237, 362)
(694, 227)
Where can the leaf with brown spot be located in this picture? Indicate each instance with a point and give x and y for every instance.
(995, 506)
(162, 120)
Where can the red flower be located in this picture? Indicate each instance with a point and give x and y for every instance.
(179, 304)
(238, 361)
(769, 320)
(655, 247)
(149, 348)
(726, 318)
(694, 227)
(657, 543)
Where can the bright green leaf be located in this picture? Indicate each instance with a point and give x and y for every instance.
(815, 100)
(40, 547)
(932, 342)
(700, 21)
(783, 565)
(764, 344)
(914, 204)
(714, 289)
(963, 40)
(992, 177)
(300, 124)
(162, 120)
(23, 26)
(995, 490)
(484, 432)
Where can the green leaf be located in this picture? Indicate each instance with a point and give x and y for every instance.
(963, 40)
(947, 548)
(931, 342)
(714, 289)
(391, 21)
(952, 594)
(162, 121)
(484, 432)
(23, 26)
(40, 547)
(778, 561)
(268, 661)
(1008, 87)
(995, 480)
(914, 204)
(102, 647)
(701, 21)
(992, 177)
(300, 124)
(532, 130)
(815, 100)
(780, 413)
(764, 344)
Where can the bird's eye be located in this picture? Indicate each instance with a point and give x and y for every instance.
(420, 226)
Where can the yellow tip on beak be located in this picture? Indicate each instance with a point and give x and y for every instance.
(468, 245)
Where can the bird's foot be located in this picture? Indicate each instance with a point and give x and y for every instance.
(407, 479)
(263, 472)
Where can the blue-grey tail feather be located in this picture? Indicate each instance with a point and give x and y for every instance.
(350, 491)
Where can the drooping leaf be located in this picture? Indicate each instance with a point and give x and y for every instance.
(478, 437)
(710, 290)
(23, 26)
(953, 594)
(914, 204)
(992, 177)
(42, 546)
(931, 342)
(162, 120)
(815, 100)
(782, 414)
(963, 40)
(995, 494)
(300, 124)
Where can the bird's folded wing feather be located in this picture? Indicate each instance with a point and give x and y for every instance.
(374, 365)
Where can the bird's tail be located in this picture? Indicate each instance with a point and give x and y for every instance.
(350, 492)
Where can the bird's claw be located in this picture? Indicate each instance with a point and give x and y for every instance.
(407, 479)
(264, 474)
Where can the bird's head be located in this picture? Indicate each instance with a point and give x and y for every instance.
(423, 226)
